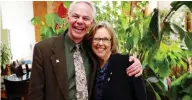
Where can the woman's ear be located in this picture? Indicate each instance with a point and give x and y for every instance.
(111, 47)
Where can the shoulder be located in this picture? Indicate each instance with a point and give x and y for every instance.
(119, 57)
(119, 60)
(48, 43)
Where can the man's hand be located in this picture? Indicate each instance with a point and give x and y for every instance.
(136, 68)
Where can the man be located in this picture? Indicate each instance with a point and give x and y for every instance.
(53, 70)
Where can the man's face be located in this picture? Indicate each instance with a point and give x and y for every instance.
(80, 19)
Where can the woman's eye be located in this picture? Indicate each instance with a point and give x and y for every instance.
(105, 39)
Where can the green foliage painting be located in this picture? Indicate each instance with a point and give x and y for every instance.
(55, 23)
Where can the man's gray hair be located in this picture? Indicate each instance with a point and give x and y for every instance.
(86, 2)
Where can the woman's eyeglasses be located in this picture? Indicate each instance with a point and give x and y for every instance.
(105, 40)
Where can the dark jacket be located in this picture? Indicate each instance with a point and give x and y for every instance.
(48, 79)
(118, 85)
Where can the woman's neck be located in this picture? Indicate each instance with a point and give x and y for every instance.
(103, 61)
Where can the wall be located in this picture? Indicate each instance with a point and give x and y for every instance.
(0, 36)
(5, 38)
(0, 26)
(16, 16)
(40, 10)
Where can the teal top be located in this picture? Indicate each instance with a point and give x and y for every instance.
(69, 50)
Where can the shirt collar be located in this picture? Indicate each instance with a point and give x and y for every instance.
(71, 44)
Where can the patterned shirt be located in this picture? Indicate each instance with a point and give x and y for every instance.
(100, 82)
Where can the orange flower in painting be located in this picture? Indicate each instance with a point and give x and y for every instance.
(56, 5)
(60, 9)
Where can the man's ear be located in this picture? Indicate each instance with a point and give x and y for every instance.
(93, 22)
(67, 18)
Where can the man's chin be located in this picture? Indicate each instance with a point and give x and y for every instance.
(78, 38)
(77, 35)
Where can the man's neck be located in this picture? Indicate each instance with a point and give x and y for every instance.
(75, 40)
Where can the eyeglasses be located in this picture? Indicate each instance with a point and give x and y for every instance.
(105, 40)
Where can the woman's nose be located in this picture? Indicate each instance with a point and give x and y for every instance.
(100, 42)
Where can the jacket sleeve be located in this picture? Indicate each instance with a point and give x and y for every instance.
(139, 88)
(36, 85)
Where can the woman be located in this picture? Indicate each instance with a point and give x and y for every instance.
(112, 82)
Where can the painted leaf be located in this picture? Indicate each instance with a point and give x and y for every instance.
(35, 20)
(50, 19)
(53, 19)
(67, 3)
(46, 32)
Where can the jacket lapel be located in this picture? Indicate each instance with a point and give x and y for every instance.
(59, 65)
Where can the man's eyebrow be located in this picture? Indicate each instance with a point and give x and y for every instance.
(78, 15)
(74, 14)
(86, 16)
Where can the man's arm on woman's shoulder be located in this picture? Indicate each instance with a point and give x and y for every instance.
(135, 69)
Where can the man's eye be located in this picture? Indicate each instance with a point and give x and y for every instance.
(86, 19)
(75, 16)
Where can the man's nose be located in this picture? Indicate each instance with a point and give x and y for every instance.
(80, 20)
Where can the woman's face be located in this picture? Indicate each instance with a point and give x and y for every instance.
(101, 43)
